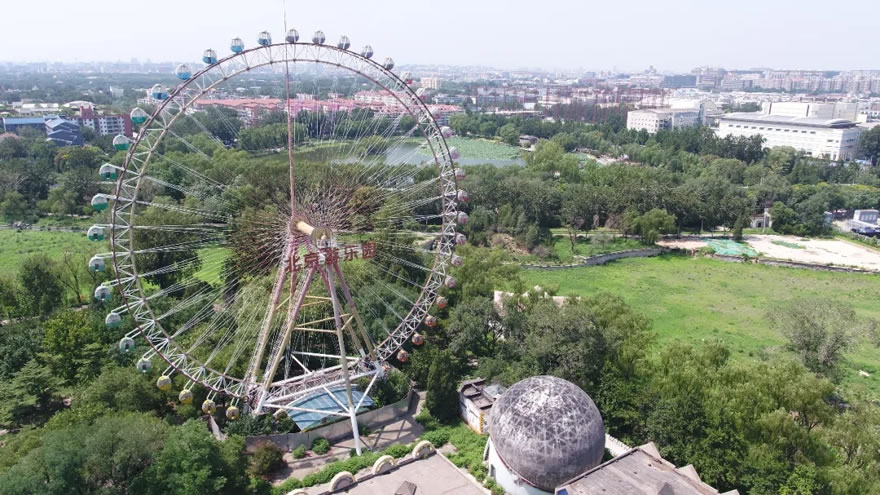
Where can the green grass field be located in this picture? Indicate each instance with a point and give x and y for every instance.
(212, 263)
(695, 300)
(16, 246)
(479, 149)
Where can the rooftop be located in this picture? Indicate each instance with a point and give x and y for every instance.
(24, 120)
(641, 471)
(779, 119)
(434, 475)
(664, 111)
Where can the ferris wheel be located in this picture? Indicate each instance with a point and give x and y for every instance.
(270, 263)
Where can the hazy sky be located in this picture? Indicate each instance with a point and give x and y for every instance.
(589, 34)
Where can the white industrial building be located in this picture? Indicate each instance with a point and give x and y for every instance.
(656, 119)
(830, 138)
(431, 82)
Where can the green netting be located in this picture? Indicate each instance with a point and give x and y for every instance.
(730, 248)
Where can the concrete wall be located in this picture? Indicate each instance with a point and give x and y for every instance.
(337, 431)
(601, 259)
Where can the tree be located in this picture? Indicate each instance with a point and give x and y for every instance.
(785, 220)
(442, 393)
(267, 458)
(819, 331)
(8, 297)
(581, 204)
(192, 462)
(118, 450)
(653, 224)
(19, 343)
(41, 290)
(472, 327)
(186, 253)
(509, 134)
(869, 144)
(68, 335)
(30, 396)
(14, 207)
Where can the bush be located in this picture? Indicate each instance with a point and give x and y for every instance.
(438, 437)
(320, 446)
(267, 458)
(398, 451)
(299, 452)
(289, 485)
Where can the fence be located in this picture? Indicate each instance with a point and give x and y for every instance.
(339, 430)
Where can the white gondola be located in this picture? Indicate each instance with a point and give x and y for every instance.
(441, 302)
(462, 196)
(138, 116)
(449, 282)
(460, 173)
(126, 344)
(292, 36)
(183, 72)
(456, 260)
(460, 239)
(102, 293)
(236, 45)
(367, 51)
(95, 233)
(462, 218)
(318, 38)
(446, 131)
(209, 56)
(100, 202)
(454, 154)
(388, 64)
(121, 142)
(113, 320)
(264, 39)
(344, 43)
(144, 365)
(159, 92)
(96, 264)
(108, 171)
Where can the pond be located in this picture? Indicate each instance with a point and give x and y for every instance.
(413, 152)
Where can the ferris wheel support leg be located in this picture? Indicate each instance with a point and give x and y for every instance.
(277, 352)
(343, 357)
(357, 317)
(254, 367)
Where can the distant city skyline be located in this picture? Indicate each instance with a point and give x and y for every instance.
(673, 36)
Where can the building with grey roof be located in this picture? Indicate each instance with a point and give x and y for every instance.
(831, 138)
(641, 471)
(542, 431)
(63, 132)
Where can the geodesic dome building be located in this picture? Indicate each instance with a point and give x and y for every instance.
(543, 431)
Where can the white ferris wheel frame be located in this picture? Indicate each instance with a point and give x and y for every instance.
(279, 394)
